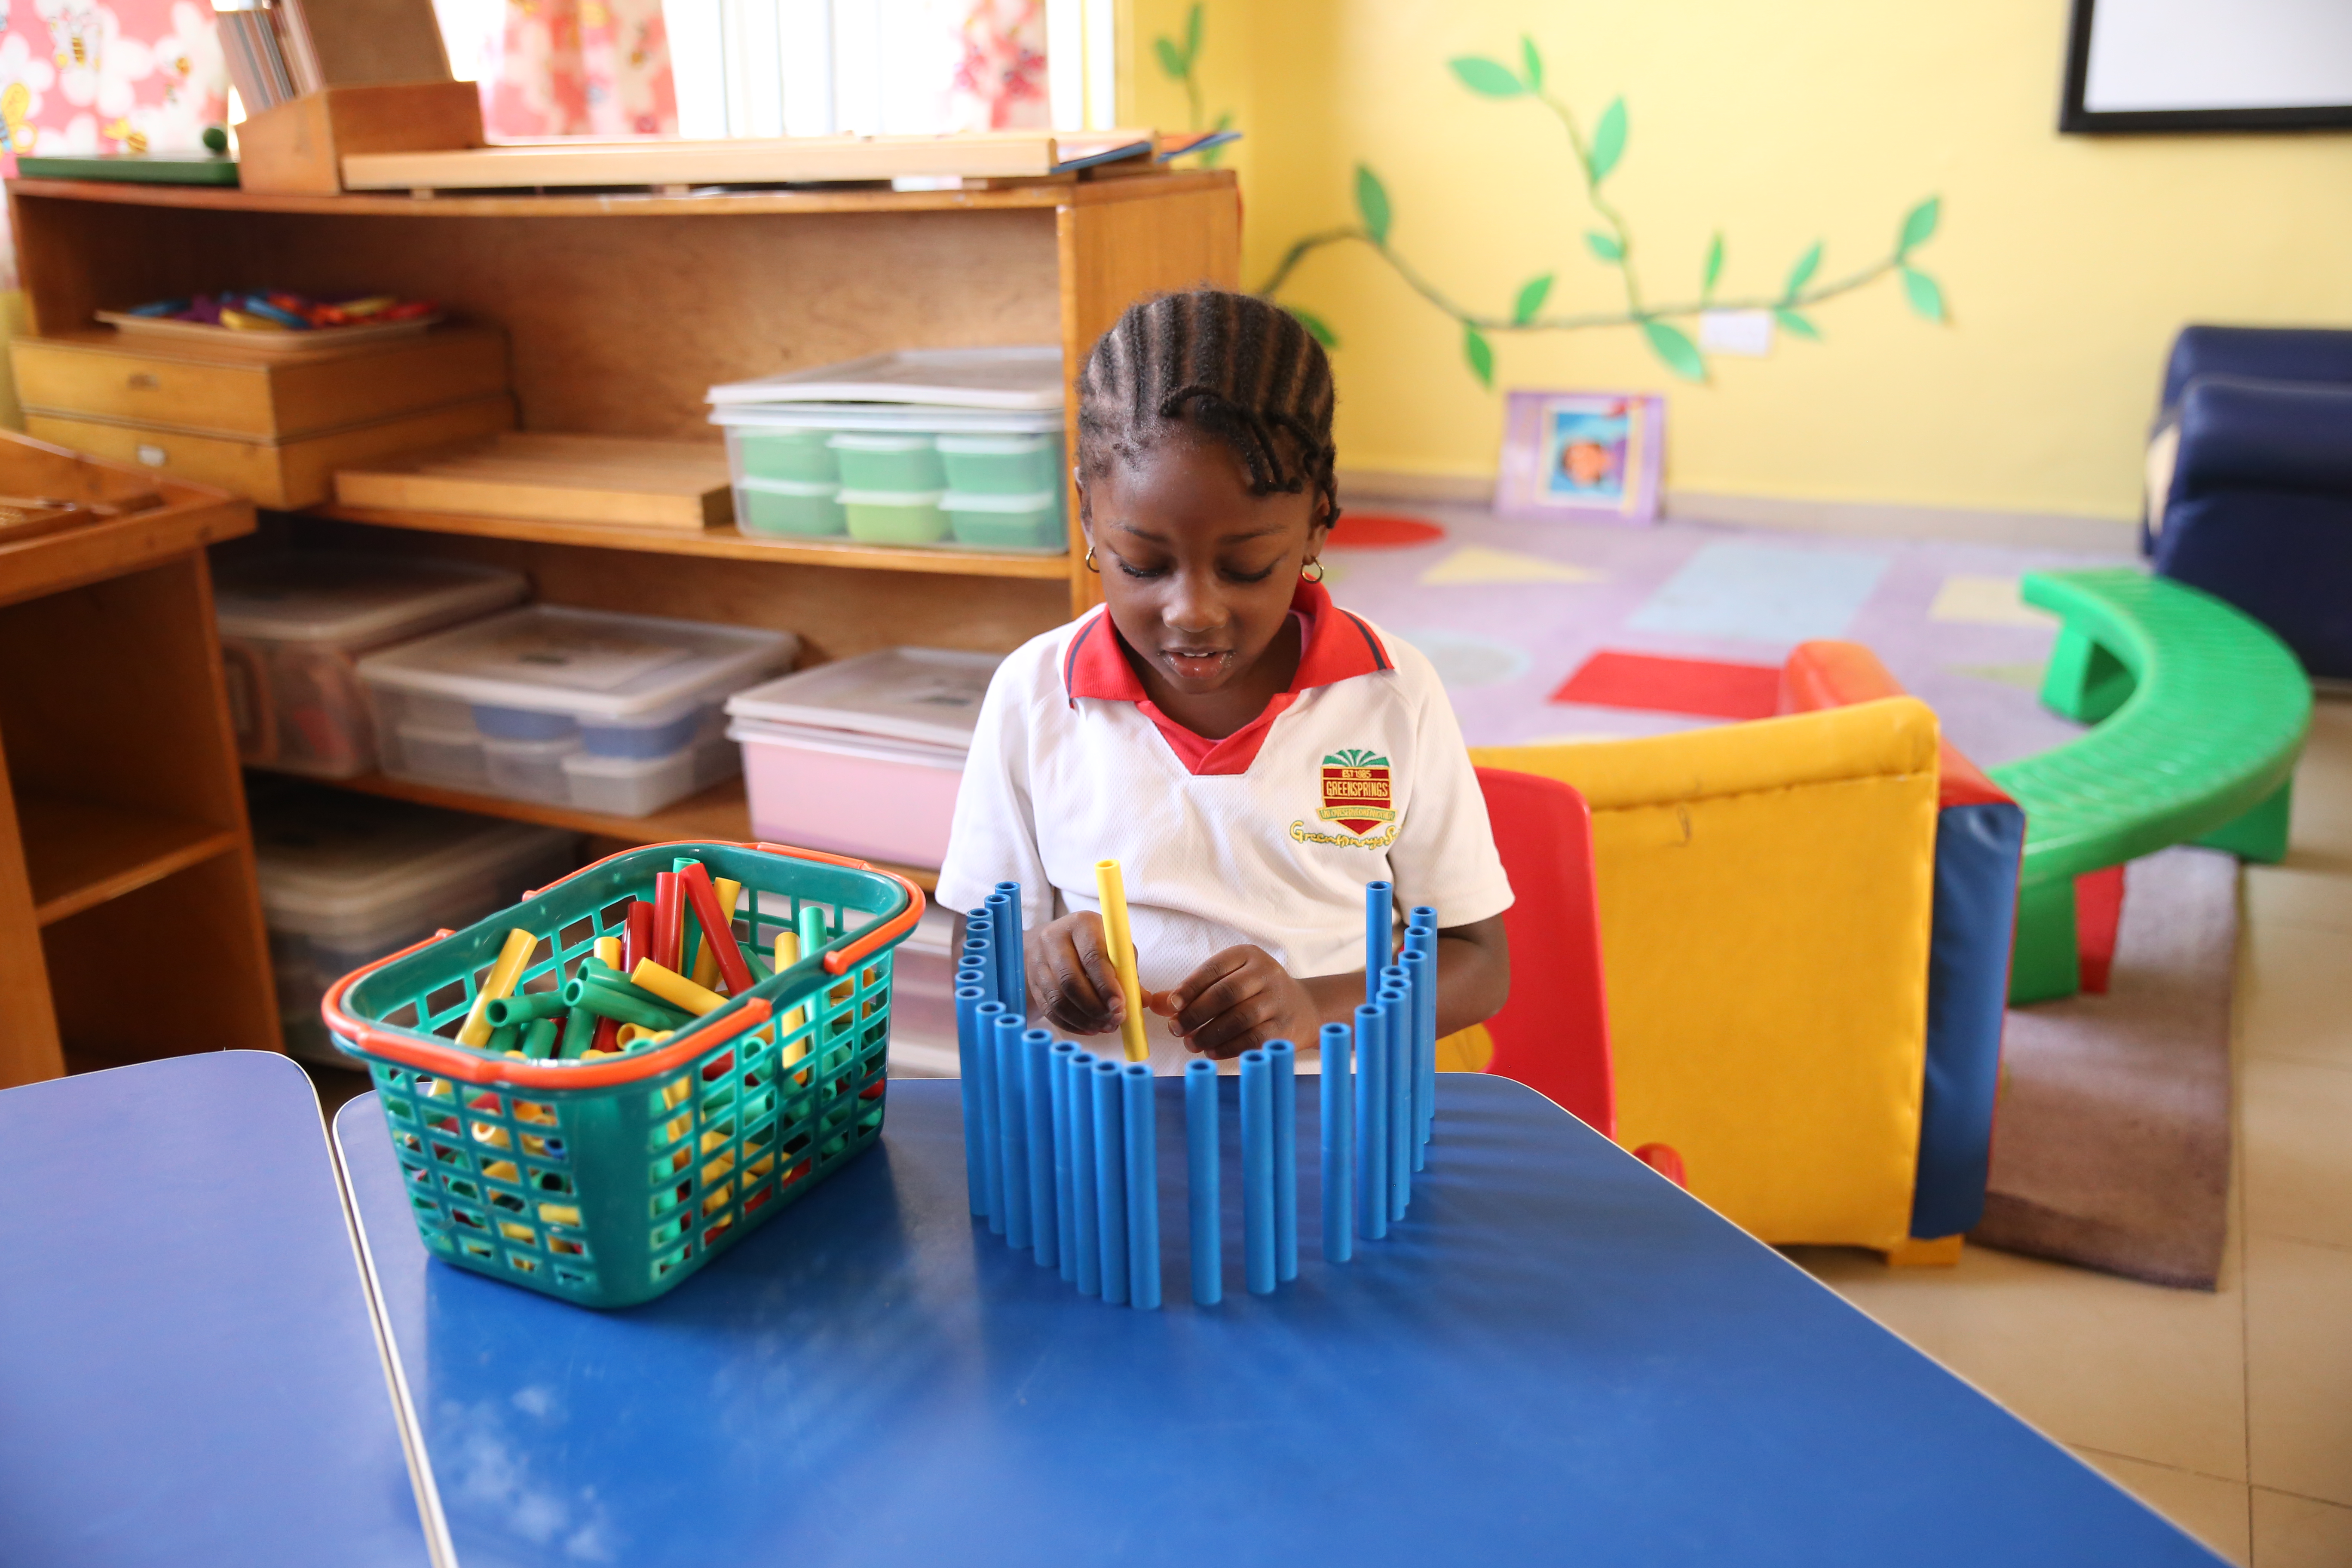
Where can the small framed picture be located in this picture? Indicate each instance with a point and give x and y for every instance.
(1594, 456)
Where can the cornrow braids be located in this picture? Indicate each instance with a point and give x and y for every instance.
(1236, 368)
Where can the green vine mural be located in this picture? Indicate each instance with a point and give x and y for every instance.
(1610, 242)
(1178, 62)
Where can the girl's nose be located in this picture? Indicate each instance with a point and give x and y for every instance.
(1194, 607)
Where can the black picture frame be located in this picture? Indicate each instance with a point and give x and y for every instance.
(2076, 120)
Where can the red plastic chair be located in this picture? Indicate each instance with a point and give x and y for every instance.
(1553, 1032)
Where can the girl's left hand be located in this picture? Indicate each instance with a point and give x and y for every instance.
(1237, 1001)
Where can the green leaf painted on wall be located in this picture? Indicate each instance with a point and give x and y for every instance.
(1225, 122)
(1714, 267)
(1802, 272)
(1486, 76)
(1793, 323)
(1172, 59)
(1530, 299)
(1919, 226)
(1316, 326)
(1192, 21)
(1372, 203)
(1608, 140)
(1603, 247)
(1925, 297)
(1531, 63)
(1674, 346)
(1480, 353)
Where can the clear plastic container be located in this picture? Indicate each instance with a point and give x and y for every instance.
(792, 457)
(586, 677)
(1006, 522)
(1000, 465)
(346, 878)
(293, 625)
(864, 756)
(633, 787)
(895, 517)
(880, 462)
(795, 507)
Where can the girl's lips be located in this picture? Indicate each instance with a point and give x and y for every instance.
(1196, 666)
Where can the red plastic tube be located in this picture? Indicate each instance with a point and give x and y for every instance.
(669, 920)
(718, 932)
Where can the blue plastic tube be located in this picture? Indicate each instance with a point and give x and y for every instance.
(968, 999)
(1143, 1134)
(1110, 1180)
(1012, 1131)
(1283, 1057)
(1338, 1146)
(1371, 1122)
(1086, 1231)
(1201, 1182)
(1016, 985)
(984, 922)
(1057, 1084)
(1420, 962)
(1037, 1091)
(991, 1137)
(1257, 1173)
(1380, 914)
(1396, 1033)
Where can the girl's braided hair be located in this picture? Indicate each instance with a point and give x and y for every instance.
(1233, 367)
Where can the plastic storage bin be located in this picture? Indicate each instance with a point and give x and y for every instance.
(346, 878)
(609, 1180)
(887, 462)
(1006, 522)
(631, 786)
(293, 625)
(802, 508)
(864, 756)
(789, 456)
(505, 705)
(895, 517)
(1002, 465)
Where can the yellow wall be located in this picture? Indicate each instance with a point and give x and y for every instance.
(2068, 262)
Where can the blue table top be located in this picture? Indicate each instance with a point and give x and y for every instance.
(1559, 1357)
(189, 1369)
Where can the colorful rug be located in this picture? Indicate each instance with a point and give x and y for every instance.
(2112, 1140)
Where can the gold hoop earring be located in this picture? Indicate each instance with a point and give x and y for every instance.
(1090, 562)
(1314, 567)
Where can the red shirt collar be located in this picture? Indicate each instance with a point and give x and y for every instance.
(1340, 645)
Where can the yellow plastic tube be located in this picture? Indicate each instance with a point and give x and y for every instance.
(608, 951)
(504, 975)
(631, 1034)
(675, 988)
(1111, 889)
(706, 956)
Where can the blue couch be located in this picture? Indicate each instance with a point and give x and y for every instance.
(2256, 509)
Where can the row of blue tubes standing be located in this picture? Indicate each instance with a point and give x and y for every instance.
(1061, 1146)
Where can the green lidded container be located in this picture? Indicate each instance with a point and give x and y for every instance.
(799, 456)
(610, 1180)
(800, 508)
(1006, 521)
(872, 462)
(895, 517)
(1000, 465)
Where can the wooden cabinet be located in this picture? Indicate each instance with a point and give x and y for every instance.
(128, 923)
(621, 310)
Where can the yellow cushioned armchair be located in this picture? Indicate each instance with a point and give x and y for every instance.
(1765, 895)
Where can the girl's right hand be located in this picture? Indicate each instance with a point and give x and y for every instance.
(1072, 986)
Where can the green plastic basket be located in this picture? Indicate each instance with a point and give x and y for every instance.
(610, 1180)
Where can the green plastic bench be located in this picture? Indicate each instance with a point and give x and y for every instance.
(2200, 715)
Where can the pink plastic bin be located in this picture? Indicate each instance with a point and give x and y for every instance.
(847, 802)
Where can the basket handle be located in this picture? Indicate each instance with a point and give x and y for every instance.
(889, 930)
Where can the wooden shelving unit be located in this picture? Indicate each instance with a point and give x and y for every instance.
(129, 922)
(620, 311)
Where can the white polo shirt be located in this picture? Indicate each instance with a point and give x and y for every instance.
(1357, 773)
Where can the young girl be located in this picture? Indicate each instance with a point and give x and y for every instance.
(1249, 753)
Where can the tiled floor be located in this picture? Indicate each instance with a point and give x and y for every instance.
(2229, 1413)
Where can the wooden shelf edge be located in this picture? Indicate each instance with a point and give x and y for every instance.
(81, 855)
(722, 543)
(719, 811)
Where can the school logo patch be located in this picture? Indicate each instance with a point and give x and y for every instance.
(1356, 792)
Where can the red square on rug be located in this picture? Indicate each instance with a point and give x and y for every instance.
(1704, 687)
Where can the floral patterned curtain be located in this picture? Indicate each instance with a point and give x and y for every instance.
(581, 67)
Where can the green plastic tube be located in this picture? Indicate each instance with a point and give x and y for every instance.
(607, 1001)
(526, 1008)
(503, 1040)
(538, 1040)
(579, 1031)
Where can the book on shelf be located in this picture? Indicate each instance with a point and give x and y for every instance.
(257, 66)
